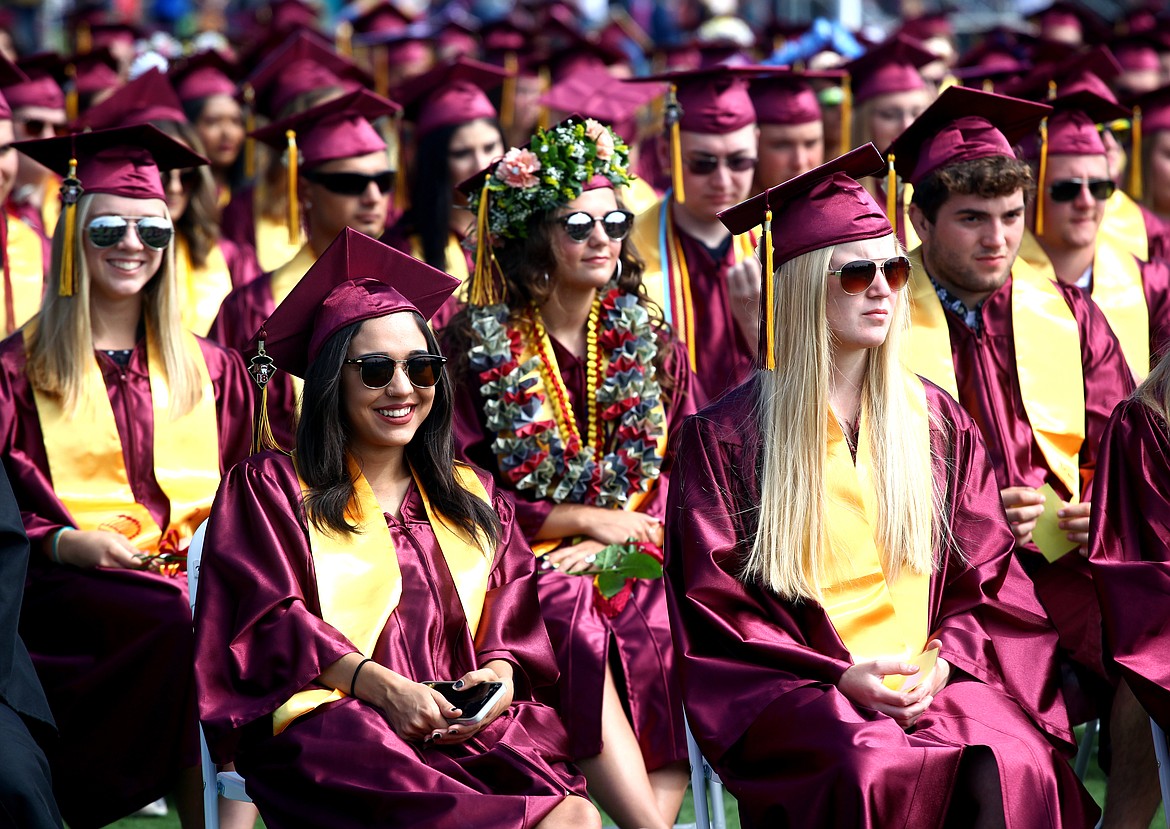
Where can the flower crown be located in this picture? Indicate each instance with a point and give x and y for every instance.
(550, 172)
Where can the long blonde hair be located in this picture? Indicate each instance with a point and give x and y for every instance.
(60, 348)
(1155, 389)
(790, 550)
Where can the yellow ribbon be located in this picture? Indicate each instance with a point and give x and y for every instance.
(873, 616)
(201, 290)
(359, 582)
(88, 469)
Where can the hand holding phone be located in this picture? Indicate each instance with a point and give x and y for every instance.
(473, 701)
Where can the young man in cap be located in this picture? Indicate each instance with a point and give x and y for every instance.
(343, 180)
(706, 280)
(792, 133)
(1033, 362)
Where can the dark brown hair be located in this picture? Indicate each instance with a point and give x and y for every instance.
(199, 224)
(988, 178)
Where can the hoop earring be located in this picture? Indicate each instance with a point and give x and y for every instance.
(617, 274)
(546, 280)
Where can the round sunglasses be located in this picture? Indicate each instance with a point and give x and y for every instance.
(1068, 189)
(377, 370)
(857, 276)
(617, 224)
(353, 184)
(153, 231)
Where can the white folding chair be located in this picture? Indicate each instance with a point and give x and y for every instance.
(228, 784)
(706, 787)
(1162, 754)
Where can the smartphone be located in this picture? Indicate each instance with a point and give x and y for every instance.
(473, 702)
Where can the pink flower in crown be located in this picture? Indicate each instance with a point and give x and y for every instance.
(601, 137)
(518, 168)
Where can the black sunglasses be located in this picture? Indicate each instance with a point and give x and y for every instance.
(617, 224)
(1069, 188)
(422, 370)
(36, 127)
(705, 165)
(859, 275)
(353, 184)
(107, 231)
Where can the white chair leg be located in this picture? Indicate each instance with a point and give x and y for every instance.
(698, 780)
(210, 785)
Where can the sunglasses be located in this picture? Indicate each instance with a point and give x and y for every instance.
(353, 184)
(857, 276)
(1069, 188)
(705, 165)
(377, 370)
(38, 127)
(617, 224)
(153, 231)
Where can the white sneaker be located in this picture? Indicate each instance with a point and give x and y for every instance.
(156, 809)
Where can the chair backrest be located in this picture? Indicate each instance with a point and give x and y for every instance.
(194, 557)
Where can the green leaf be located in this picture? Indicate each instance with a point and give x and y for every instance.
(610, 584)
(641, 566)
(608, 557)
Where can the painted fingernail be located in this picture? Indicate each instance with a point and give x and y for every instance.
(546, 564)
(436, 735)
(458, 684)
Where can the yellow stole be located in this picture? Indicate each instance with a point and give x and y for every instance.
(638, 196)
(666, 278)
(26, 269)
(273, 248)
(1048, 360)
(1118, 292)
(873, 616)
(456, 261)
(1124, 227)
(51, 205)
(88, 469)
(359, 582)
(201, 290)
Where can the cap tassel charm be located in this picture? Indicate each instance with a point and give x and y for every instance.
(294, 217)
(767, 297)
(673, 118)
(1135, 165)
(71, 191)
(260, 367)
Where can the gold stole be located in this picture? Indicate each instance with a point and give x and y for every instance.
(88, 469)
(273, 248)
(51, 205)
(1048, 360)
(1118, 292)
(638, 196)
(667, 278)
(912, 240)
(456, 261)
(873, 616)
(359, 582)
(201, 290)
(1124, 226)
(26, 269)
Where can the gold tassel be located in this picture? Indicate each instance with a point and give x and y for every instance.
(988, 85)
(294, 216)
(84, 39)
(344, 39)
(72, 105)
(401, 185)
(249, 127)
(508, 93)
(673, 117)
(767, 296)
(482, 292)
(70, 193)
(892, 194)
(846, 115)
(542, 118)
(382, 71)
(1041, 177)
(1051, 90)
(1135, 161)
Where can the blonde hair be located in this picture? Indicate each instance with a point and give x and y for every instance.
(60, 348)
(1155, 389)
(790, 550)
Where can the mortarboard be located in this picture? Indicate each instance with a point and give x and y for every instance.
(357, 278)
(40, 87)
(286, 15)
(149, 97)
(303, 63)
(785, 96)
(891, 66)
(1050, 79)
(9, 74)
(204, 75)
(1063, 15)
(453, 93)
(381, 18)
(599, 95)
(825, 206)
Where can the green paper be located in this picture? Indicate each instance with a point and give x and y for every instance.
(1048, 536)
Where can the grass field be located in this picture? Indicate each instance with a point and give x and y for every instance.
(1095, 782)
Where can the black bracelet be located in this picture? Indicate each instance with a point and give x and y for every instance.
(356, 671)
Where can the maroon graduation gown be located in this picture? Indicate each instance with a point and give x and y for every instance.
(580, 634)
(260, 639)
(759, 673)
(1130, 551)
(989, 389)
(241, 262)
(113, 648)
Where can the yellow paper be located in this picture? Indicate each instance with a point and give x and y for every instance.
(1048, 536)
(925, 662)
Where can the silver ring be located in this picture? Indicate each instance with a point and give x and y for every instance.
(592, 557)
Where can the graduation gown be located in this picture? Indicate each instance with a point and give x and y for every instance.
(759, 673)
(113, 647)
(989, 390)
(260, 638)
(1130, 550)
(581, 635)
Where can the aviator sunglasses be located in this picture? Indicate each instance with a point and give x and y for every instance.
(616, 224)
(858, 276)
(153, 231)
(1069, 188)
(377, 370)
(353, 184)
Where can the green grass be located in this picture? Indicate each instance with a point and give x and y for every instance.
(1095, 782)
